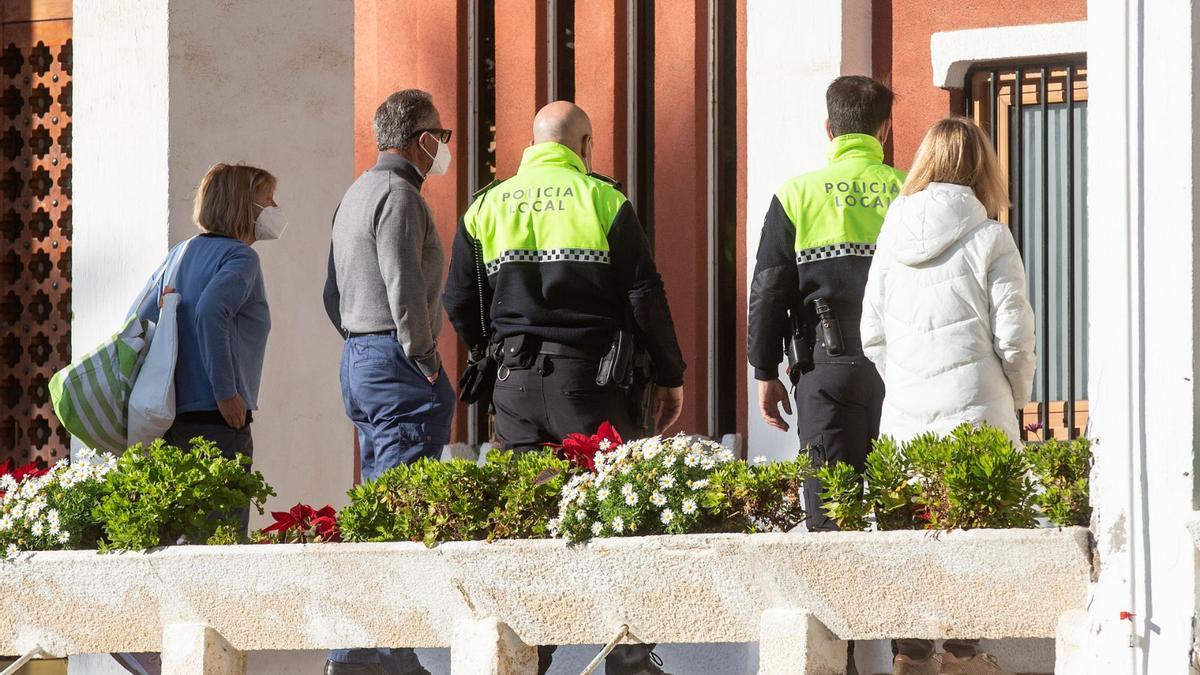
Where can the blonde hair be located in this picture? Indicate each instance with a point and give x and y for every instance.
(955, 150)
(225, 199)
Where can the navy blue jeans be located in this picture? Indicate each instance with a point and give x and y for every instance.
(400, 418)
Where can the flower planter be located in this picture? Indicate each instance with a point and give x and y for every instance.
(691, 588)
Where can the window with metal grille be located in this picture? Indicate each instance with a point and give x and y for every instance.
(1036, 114)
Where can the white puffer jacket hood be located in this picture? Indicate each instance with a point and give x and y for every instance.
(946, 320)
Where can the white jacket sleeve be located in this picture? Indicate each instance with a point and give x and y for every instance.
(874, 340)
(1012, 317)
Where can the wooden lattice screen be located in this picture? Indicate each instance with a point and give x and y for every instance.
(35, 231)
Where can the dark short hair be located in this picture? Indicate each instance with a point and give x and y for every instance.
(857, 105)
(400, 116)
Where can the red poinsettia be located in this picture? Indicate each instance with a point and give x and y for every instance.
(581, 450)
(19, 473)
(302, 524)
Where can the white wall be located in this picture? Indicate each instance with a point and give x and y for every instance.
(1142, 256)
(793, 51)
(166, 89)
(119, 161)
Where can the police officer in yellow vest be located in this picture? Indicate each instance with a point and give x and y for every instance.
(807, 290)
(568, 274)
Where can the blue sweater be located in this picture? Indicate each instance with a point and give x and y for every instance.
(223, 323)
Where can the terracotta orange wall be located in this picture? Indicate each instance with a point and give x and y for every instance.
(423, 45)
(680, 187)
(901, 34)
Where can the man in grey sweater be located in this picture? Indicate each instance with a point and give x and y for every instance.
(383, 295)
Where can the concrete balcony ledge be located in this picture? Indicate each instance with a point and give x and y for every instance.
(693, 588)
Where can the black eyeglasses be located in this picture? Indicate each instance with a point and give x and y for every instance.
(443, 135)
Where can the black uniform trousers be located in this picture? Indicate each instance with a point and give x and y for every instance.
(544, 403)
(838, 404)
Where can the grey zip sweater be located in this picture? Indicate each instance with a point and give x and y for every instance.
(386, 261)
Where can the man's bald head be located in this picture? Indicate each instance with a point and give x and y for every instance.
(566, 123)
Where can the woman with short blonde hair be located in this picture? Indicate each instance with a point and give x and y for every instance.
(946, 320)
(222, 316)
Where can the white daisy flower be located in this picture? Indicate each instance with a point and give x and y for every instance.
(667, 516)
(37, 528)
(689, 506)
(12, 551)
(631, 499)
(761, 459)
(64, 537)
(627, 489)
(658, 499)
(602, 494)
(698, 484)
(667, 482)
(597, 528)
(618, 524)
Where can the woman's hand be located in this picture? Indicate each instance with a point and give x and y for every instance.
(234, 411)
(166, 291)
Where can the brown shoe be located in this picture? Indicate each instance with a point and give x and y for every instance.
(979, 664)
(904, 665)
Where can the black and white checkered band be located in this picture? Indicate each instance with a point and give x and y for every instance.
(586, 255)
(834, 251)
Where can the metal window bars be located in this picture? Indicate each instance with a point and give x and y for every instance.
(1034, 114)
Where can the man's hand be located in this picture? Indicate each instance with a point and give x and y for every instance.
(668, 403)
(234, 411)
(770, 394)
(433, 378)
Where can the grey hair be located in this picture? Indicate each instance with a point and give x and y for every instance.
(398, 118)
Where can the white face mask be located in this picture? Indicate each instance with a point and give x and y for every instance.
(441, 161)
(270, 223)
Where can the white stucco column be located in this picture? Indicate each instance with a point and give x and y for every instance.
(793, 51)
(165, 89)
(1142, 205)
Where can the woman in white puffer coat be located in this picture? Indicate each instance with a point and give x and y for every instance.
(945, 317)
(946, 320)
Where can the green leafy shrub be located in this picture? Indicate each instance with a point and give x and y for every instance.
(890, 488)
(759, 497)
(972, 478)
(530, 485)
(842, 496)
(1061, 470)
(162, 494)
(431, 501)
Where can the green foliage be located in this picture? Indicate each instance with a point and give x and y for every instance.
(431, 501)
(162, 494)
(1061, 469)
(890, 490)
(973, 478)
(529, 488)
(760, 497)
(842, 495)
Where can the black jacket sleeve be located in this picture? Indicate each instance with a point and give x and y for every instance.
(465, 307)
(638, 278)
(331, 296)
(773, 290)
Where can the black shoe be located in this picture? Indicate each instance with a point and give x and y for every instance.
(337, 668)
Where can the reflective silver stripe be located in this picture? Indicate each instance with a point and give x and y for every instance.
(834, 251)
(586, 255)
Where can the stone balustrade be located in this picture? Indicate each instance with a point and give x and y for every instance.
(799, 595)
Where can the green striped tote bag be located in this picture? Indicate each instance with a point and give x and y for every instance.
(91, 396)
